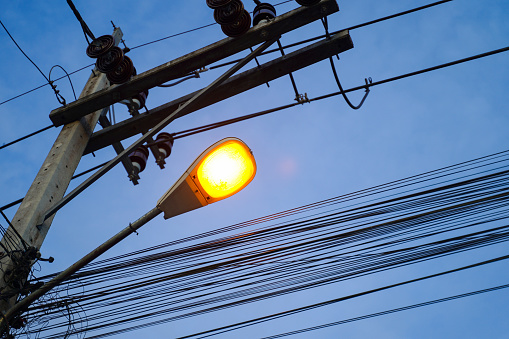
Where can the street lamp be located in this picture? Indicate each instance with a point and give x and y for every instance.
(219, 172)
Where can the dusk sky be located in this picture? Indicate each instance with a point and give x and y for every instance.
(305, 154)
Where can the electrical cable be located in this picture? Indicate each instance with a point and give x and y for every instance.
(60, 98)
(394, 310)
(67, 74)
(86, 30)
(14, 203)
(26, 136)
(41, 86)
(21, 50)
(351, 28)
(19, 201)
(368, 82)
(89, 170)
(23, 242)
(334, 72)
(333, 301)
(192, 30)
(360, 234)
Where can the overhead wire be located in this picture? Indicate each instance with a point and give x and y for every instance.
(394, 310)
(333, 301)
(155, 291)
(26, 136)
(351, 28)
(350, 241)
(11, 226)
(424, 178)
(67, 74)
(59, 97)
(366, 86)
(41, 86)
(19, 201)
(86, 30)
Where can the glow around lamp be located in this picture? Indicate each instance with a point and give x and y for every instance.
(219, 172)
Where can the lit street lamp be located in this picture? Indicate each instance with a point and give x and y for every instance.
(219, 172)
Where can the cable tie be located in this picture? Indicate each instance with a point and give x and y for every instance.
(132, 228)
(368, 81)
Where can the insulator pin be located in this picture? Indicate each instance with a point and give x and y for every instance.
(164, 142)
(263, 11)
(139, 158)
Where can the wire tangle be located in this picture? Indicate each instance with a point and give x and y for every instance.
(452, 210)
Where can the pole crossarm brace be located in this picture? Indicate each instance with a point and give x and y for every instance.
(242, 82)
(195, 60)
(186, 107)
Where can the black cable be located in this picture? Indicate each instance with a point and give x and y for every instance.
(27, 136)
(301, 42)
(193, 30)
(84, 26)
(67, 74)
(394, 310)
(407, 75)
(173, 35)
(60, 98)
(41, 86)
(89, 170)
(361, 243)
(14, 203)
(19, 201)
(23, 242)
(368, 81)
(336, 300)
(33, 63)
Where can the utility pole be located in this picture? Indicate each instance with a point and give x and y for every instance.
(46, 195)
(49, 186)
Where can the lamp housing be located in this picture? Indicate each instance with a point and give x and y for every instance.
(219, 172)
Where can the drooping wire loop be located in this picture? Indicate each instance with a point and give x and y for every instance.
(368, 81)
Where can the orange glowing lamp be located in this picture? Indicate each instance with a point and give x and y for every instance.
(219, 172)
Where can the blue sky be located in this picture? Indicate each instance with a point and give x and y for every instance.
(304, 154)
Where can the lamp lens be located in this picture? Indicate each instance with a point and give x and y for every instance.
(226, 170)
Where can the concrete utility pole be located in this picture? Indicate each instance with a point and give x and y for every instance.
(49, 186)
(46, 195)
